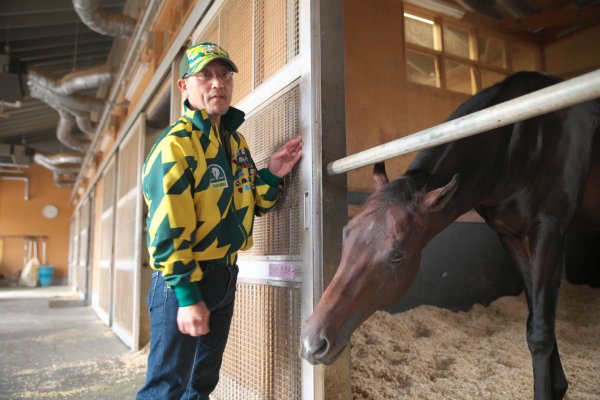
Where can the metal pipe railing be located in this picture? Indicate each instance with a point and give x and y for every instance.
(561, 95)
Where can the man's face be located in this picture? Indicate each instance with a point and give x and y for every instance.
(211, 89)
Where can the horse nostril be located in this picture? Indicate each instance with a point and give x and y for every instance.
(314, 348)
(322, 348)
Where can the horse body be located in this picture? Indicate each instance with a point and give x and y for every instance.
(531, 181)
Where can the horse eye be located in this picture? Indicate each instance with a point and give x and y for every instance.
(396, 256)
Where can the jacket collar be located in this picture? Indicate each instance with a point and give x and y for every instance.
(231, 121)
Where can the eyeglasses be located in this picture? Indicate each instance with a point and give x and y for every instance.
(207, 76)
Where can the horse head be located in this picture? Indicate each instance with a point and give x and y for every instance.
(381, 253)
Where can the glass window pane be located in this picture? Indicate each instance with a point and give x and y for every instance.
(419, 32)
(523, 58)
(491, 51)
(488, 78)
(422, 68)
(456, 42)
(459, 77)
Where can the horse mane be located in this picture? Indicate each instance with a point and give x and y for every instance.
(514, 85)
(400, 191)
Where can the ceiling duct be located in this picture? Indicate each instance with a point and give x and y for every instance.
(64, 167)
(64, 180)
(73, 108)
(103, 21)
(64, 133)
(62, 163)
(75, 81)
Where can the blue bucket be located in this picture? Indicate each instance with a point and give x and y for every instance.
(45, 275)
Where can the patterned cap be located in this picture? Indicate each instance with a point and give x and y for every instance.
(196, 57)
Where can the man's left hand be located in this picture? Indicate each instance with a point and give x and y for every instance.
(284, 159)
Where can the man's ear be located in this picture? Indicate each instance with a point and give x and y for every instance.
(182, 85)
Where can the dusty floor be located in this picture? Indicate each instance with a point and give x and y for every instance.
(433, 353)
(54, 348)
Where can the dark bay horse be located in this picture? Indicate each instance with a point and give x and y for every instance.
(532, 182)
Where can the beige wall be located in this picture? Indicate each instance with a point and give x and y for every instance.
(380, 105)
(24, 217)
(575, 54)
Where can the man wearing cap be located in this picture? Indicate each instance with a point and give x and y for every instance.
(203, 191)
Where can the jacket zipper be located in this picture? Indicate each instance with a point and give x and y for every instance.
(232, 208)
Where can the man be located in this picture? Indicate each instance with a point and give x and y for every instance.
(202, 190)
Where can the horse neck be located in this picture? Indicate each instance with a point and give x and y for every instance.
(478, 163)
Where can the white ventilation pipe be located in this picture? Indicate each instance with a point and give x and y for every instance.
(73, 103)
(19, 178)
(133, 50)
(73, 82)
(59, 93)
(64, 133)
(56, 162)
(104, 21)
(60, 158)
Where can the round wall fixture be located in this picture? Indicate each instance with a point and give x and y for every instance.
(50, 211)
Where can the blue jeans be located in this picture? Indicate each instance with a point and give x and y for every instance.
(182, 367)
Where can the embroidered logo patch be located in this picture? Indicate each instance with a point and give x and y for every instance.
(217, 179)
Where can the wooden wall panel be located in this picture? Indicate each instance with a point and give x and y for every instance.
(574, 55)
(380, 104)
(375, 79)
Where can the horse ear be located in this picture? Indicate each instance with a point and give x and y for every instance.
(379, 175)
(437, 199)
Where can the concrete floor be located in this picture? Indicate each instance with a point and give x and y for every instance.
(53, 347)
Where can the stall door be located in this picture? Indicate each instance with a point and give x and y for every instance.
(84, 245)
(74, 262)
(105, 257)
(128, 236)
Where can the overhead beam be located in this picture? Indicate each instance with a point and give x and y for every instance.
(54, 43)
(14, 35)
(551, 19)
(53, 54)
(49, 19)
(42, 6)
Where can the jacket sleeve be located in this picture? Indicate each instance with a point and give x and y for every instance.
(167, 185)
(268, 186)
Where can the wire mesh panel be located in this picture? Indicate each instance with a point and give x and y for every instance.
(73, 267)
(95, 244)
(235, 34)
(261, 37)
(261, 360)
(106, 232)
(127, 238)
(275, 35)
(278, 232)
(82, 264)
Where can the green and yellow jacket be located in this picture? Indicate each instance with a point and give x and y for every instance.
(202, 190)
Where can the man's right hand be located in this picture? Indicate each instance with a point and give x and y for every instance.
(193, 320)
